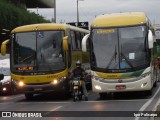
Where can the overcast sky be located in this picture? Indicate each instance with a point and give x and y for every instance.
(88, 9)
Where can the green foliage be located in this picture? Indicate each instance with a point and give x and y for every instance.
(156, 52)
(12, 16)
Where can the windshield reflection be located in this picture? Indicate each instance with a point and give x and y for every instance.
(119, 48)
(42, 50)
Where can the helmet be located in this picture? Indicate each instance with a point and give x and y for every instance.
(78, 63)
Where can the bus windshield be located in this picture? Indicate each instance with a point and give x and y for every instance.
(119, 48)
(39, 51)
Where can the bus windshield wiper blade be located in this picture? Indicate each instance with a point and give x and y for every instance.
(112, 58)
(29, 58)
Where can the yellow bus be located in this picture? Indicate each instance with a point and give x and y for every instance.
(42, 55)
(121, 53)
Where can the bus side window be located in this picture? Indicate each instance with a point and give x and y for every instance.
(78, 41)
(69, 51)
(73, 38)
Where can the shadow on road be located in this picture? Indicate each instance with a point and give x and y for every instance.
(48, 97)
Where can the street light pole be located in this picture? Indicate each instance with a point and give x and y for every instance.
(55, 11)
(78, 11)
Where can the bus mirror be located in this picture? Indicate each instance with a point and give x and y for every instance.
(150, 39)
(84, 43)
(4, 47)
(65, 43)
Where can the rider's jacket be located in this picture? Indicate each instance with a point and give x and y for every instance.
(78, 72)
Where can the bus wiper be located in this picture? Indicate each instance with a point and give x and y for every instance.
(112, 58)
(29, 58)
(129, 63)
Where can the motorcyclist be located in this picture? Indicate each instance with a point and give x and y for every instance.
(79, 72)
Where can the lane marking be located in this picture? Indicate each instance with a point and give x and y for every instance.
(54, 109)
(155, 107)
(147, 103)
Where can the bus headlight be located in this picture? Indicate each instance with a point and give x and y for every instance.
(57, 81)
(97, 87)
(4, 89)
(144, 75)
(96, 77)
(62, 79)
(6, 83)
(20, 84)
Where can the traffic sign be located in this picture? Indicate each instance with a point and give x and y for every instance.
(83, 25)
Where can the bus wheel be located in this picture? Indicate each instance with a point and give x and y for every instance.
(28, 96)
(155, 84)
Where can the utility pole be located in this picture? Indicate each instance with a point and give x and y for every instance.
(37, 10)
(78, 11)
(55, 11)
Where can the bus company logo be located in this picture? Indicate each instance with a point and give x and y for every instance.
(6, 114)
(112, 76)
(120, 80)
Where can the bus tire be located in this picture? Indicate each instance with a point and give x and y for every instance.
(28, 96)
(155, 84)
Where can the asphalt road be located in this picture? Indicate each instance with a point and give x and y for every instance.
(118, 106)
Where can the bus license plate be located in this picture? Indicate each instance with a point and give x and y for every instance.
(120, 87)
(38, 89)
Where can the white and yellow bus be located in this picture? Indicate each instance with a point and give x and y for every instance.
(121, 53)
(42, 55)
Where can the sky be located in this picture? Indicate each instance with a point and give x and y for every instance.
(66, 10)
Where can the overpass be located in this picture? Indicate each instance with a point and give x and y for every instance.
(37, 4)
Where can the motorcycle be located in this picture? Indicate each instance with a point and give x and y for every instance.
(77, 89)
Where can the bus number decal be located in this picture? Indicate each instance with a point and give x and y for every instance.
(25, 68)
(105, 31)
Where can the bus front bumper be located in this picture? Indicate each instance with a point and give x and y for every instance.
(115, 86)
(45, 88)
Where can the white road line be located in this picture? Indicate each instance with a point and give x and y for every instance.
(54, 109)
(147, 103)
(155, 107)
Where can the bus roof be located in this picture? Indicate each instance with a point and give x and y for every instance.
(119, 19)
(46, 26)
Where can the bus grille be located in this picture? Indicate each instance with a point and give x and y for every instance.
(37, 83)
